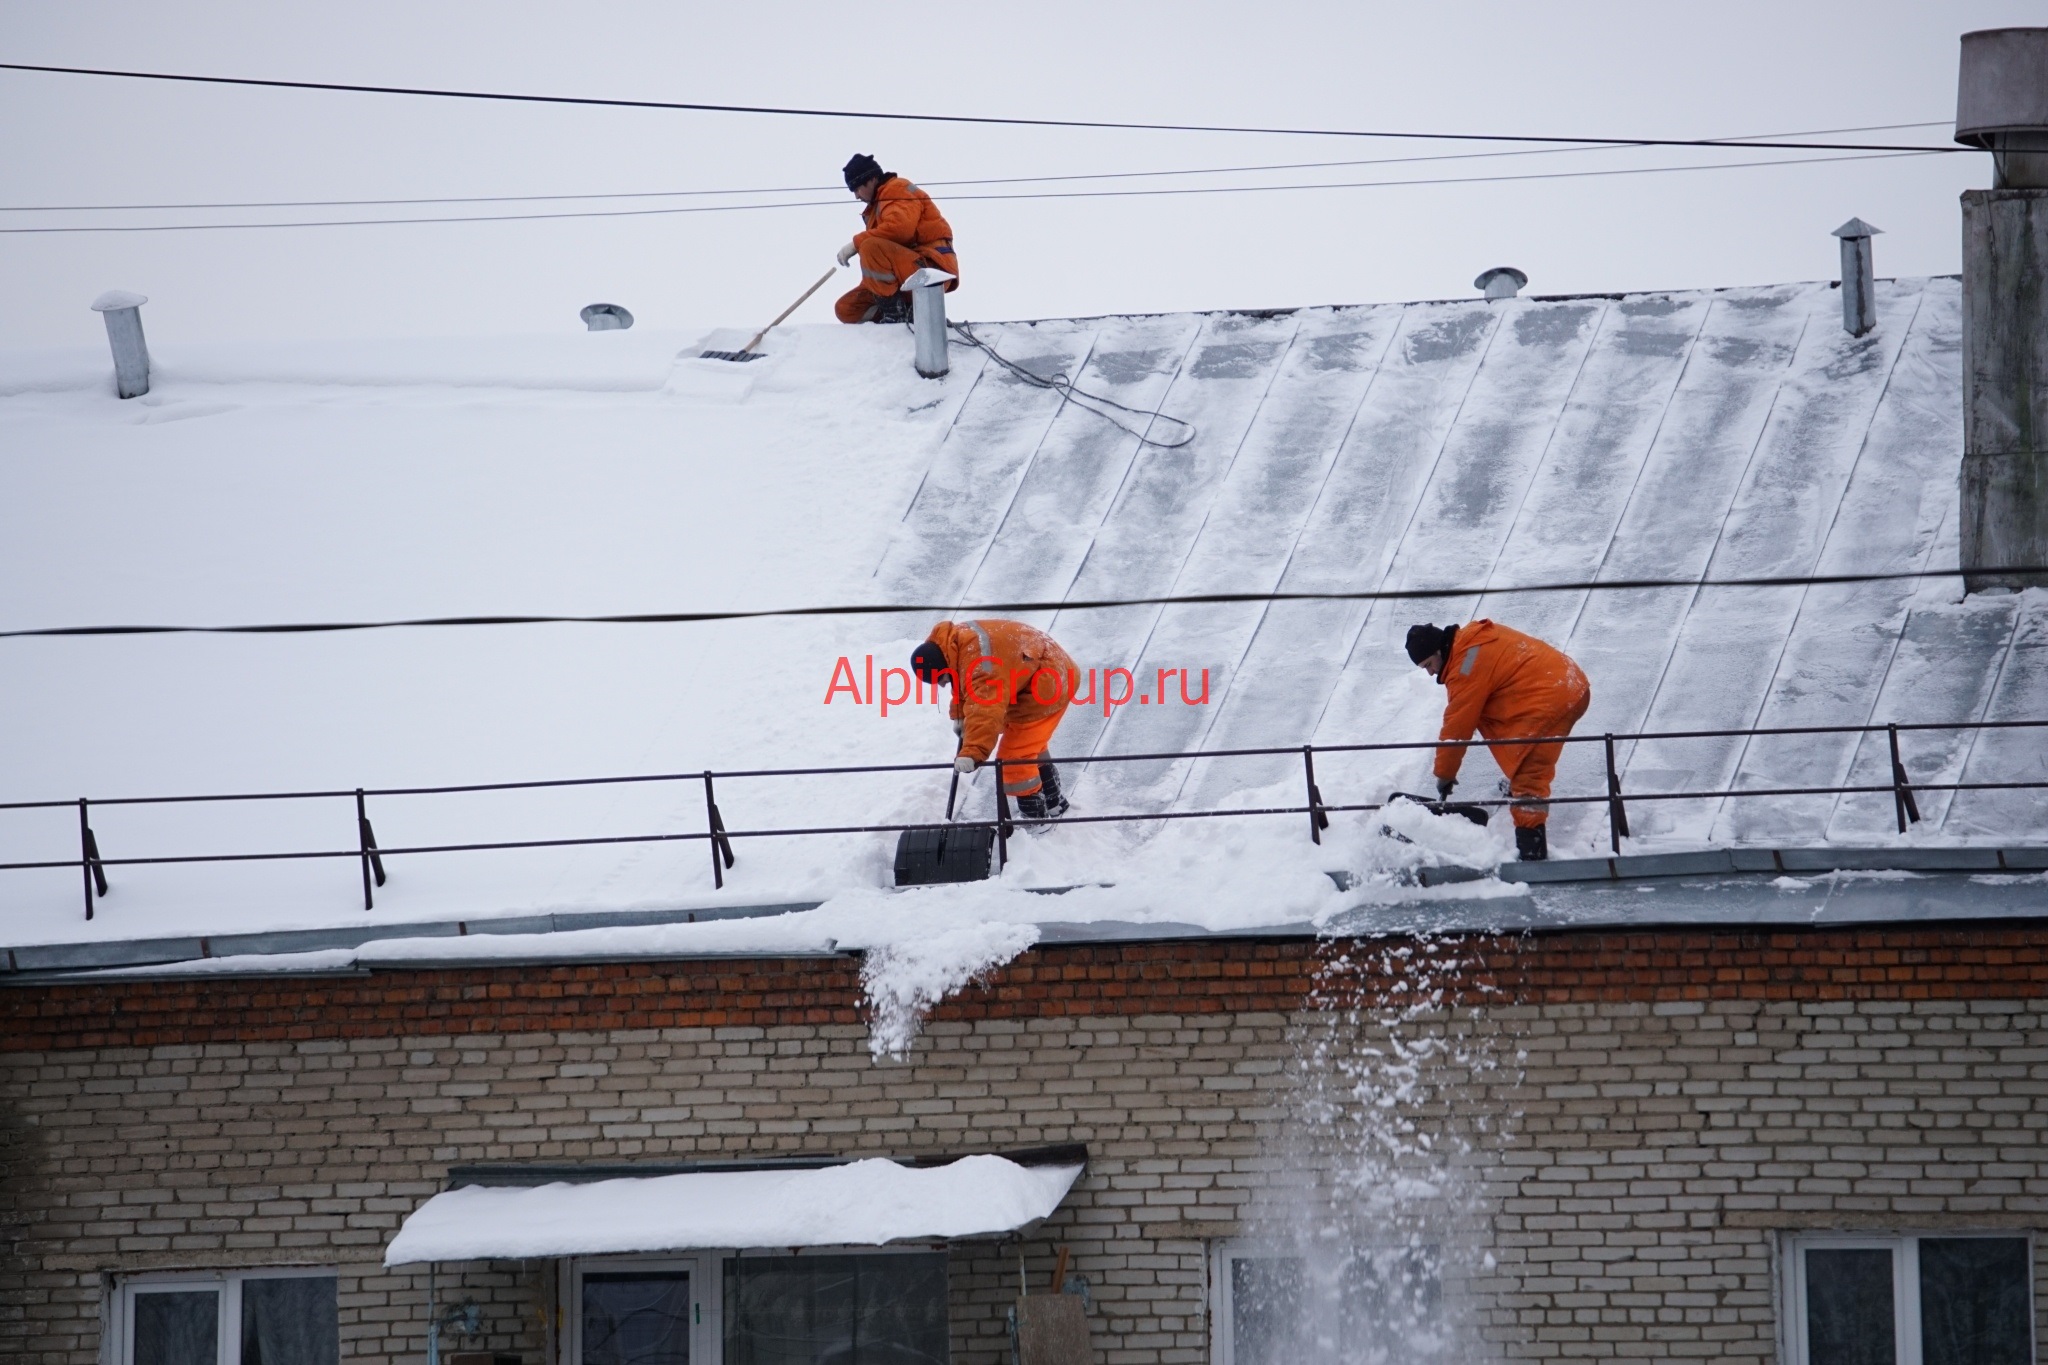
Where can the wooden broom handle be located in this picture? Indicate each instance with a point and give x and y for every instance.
(1059, 1270)
(787, 311)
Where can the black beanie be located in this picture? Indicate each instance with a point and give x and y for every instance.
(1426, 640)
(862, 168)
(928, 661)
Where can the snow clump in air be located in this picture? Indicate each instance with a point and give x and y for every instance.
(904, 979)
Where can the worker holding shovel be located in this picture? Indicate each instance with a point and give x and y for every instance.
(1506, 685)
(905, 232)
(1011, 684)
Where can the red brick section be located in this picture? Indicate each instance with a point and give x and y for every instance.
(1208, 977)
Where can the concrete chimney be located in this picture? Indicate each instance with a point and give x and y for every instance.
(123, 312)
(1859, 277)
(2002, 106)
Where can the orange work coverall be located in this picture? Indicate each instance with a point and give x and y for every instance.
(1508, 685)
(905, 231)
(1011, 685)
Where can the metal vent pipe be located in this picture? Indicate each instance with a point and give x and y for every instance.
(1859, 277)
(928, 320)
(123, 312)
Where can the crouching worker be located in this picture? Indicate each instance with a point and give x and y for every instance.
(1507, 685)
(1011, 684)
(905, 232)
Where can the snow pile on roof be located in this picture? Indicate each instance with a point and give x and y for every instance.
(862, 1203)
(1731, 433)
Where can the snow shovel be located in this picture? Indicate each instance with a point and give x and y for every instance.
(945, 853)
(747, 352)
(1476, 814)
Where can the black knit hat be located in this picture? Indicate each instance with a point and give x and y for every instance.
(861, 169)
(928, 661)
(1426, 640)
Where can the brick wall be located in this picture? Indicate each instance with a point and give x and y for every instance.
(1658, 1145)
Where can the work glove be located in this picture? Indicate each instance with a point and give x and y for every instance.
(848, 252)
(964, 765)
(960, 727)
(1444, 787)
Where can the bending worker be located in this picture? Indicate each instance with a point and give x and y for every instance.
(1507, 685)
(905, 231)
(1011, 684)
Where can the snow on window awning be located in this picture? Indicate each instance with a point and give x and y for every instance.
(861, 1203)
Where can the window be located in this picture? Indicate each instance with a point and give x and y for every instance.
(819, 1308)
(1362, 1305)
(1910, 1301)
(848, 1310)
(253, 1317)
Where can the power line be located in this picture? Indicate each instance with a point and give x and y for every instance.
(930, 184)
(986, 119)
(966, 198)
(1088, 604)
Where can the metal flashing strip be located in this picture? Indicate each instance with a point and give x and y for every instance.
(518, 1174)
(1708, 862)
(42, 961)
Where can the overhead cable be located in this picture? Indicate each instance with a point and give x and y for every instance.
(929, 184)
(962, 198)
(694, 106)
(1084, 604)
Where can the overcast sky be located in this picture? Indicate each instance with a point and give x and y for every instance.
(1733, 68)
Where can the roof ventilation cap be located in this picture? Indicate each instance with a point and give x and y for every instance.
(2002, 102)
(606, 317)
(1501, 282)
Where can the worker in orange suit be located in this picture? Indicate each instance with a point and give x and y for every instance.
(1506, 685)
(1011, 684)
(905, 232)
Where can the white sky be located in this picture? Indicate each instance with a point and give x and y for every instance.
(1740, 67)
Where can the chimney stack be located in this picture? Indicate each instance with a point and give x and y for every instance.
(2002, 107)
(1859, 277)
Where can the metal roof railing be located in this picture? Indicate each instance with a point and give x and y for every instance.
(370, 856)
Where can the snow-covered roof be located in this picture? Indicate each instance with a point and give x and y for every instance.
(1732, 433)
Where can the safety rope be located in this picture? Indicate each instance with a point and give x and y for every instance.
(1080, 398)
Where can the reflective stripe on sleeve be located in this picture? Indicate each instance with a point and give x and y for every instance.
(1471, 657)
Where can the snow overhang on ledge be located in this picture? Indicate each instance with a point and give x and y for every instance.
(858, 1203)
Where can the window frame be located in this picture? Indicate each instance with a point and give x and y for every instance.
(1218, 1299)
(1905, 1250)
(707, 1287)
(707, 1304)
(227, 1287)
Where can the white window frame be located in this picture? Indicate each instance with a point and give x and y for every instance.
(706, 1270)
(1905, 1249)
(1222, 1309)
(228, 1298)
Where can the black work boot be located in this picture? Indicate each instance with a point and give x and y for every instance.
(893, 308)
(1049, 788)
(1532, 843)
